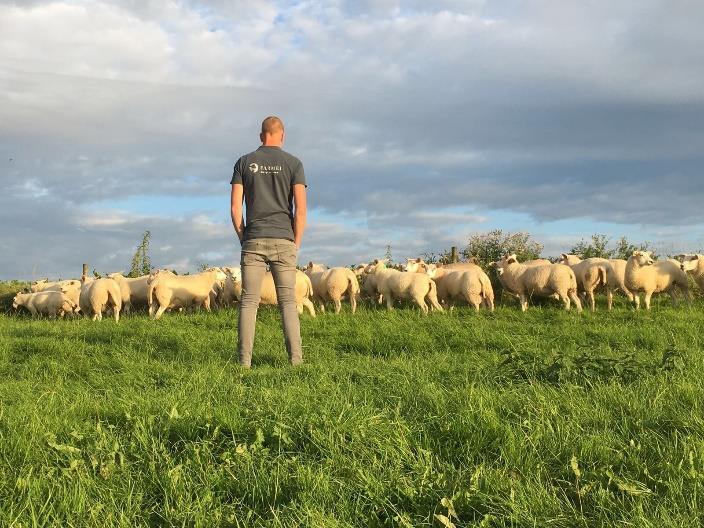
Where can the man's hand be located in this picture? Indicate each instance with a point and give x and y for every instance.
(300, 212)
(236, 200)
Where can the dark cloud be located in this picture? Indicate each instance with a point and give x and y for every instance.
(410, 118)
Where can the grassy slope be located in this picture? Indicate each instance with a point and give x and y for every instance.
(543, 419)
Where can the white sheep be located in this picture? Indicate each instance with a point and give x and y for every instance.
(133, 290)
(542, 280)
(591, 273)
(304, 292)
(643, 274)
(229, 292)
(393, 284)
(71, 288)
(332, 285)
(50, 303)
(694, 265)
(167, 290)
(98, 296)
(466, 281)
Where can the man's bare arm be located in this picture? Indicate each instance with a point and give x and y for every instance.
(236, 199)
(300, 212)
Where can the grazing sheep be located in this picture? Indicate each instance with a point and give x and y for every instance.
(368, 284)
(643, 274)
(694, 265)
(418, 265)
(591, 273)
(617, 280)
(167, 290)
(463, 280)
(332, 284)
(99, 295)
(394, 284)
(543, 280)
(228, 294)
(71, 288)
(304, 292)
(133, 290)
(46, 285)
(50, 303)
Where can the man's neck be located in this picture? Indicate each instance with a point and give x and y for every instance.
(271, 144)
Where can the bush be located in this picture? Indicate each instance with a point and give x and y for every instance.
(598, 247)
(8, 290)
(492, 246)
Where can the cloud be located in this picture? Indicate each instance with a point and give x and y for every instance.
(417, 122)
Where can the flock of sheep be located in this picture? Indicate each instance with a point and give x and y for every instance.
(429, 286)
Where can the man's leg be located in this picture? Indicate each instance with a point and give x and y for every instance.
(282, 260)
(253, 266)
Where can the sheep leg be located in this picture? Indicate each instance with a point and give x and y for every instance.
(524, 301)
(687, 294)
(160, 311)
(636, 300)
(353, 302)
(434, 304)
(590, 298)
(389, 301)
(420, 301)
(609, 298)
(648, 295)
(309, 306)
(338, 305)
(575, 300)
(673, 296)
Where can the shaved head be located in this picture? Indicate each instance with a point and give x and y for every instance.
(272, 125)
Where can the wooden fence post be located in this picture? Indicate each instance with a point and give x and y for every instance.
(85, 272)
(453, 254)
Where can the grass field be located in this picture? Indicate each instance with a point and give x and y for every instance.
(504, 419)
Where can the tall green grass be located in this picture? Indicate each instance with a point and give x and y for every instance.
(506, 419)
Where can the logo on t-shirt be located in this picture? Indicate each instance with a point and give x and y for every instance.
(253, 167)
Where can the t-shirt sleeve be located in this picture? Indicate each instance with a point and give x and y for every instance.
(298, 176)
(237, 173)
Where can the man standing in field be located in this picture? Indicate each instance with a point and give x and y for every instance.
(273, 185)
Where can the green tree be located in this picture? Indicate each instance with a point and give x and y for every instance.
(625, 249)
(598, 247)
(493, 245)
(387, 254)
(141, 263)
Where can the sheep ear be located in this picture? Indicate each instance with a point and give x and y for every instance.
(511, 259)
(376, 261)
(563, 255)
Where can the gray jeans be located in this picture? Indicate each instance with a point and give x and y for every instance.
(280, 255)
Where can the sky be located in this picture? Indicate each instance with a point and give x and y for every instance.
(418, 123)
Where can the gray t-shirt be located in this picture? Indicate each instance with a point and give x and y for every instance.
(268, 175)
